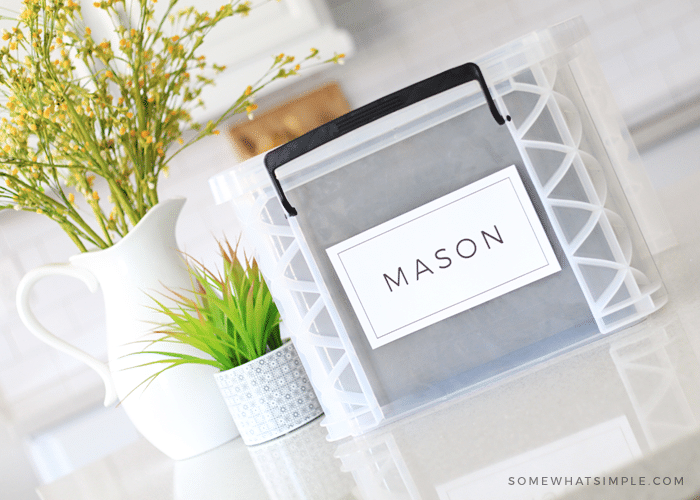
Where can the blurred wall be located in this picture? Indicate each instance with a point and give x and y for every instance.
(649, 51)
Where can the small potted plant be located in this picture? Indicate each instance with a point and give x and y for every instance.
(231, 318)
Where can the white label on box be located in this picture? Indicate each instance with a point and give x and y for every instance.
(447, 256)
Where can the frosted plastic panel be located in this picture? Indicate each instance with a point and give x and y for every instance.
(471, 345)
(568, 160)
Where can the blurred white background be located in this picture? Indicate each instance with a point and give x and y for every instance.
(649, 51)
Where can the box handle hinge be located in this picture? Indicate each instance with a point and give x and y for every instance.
(366, 114)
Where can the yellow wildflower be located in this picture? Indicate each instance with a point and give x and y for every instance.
(249, 110)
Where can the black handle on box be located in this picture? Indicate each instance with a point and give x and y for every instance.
(371, 112)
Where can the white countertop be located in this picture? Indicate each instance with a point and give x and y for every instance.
(626, 407)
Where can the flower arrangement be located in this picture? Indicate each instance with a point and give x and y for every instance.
(229, 316)
(86, 117)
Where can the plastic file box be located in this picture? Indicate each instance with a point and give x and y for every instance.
(450, 233)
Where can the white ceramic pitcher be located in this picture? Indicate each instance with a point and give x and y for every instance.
(182, 412)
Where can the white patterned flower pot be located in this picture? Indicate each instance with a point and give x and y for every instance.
(269, 396)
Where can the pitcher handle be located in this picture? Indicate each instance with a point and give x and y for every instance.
(34, 326)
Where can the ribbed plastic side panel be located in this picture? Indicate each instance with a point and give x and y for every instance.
(328, 356)
(564, 155)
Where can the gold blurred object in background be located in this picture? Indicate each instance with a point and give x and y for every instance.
(288, 121)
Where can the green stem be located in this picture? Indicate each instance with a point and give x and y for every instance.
(91, 234)
(121, 202)
(94, 204)
(68, 228)
(121, 219)
(47, 201)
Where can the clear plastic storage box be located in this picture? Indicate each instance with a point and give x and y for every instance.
(452, 232)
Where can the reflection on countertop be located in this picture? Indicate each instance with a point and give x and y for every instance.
(627, 405)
